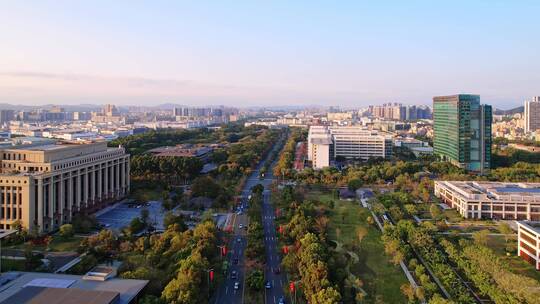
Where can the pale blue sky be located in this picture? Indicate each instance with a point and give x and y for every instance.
(349, 53)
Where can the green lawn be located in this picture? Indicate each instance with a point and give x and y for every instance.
(516, 264)
(12, 265)
(382, 280)
(58, 244)
(146, 194)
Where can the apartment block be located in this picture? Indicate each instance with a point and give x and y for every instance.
(325, 143)
(529, 242)
(531, 114)
(491, 200)
(44, 184)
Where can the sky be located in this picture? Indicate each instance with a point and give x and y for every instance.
(268, 53)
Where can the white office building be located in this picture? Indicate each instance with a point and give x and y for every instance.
(491, 200)
(532, 114)
(325, 143)
(529, 242)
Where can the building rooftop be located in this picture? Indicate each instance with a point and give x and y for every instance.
(182, 151)
(533, 226)
(50, 295)
(321, 141)
(494, 189)
(49, 288)
(50, 145)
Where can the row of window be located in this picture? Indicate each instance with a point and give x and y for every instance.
(85, 161)
(10, 213)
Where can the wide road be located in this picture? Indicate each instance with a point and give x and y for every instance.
(273, 261)
(227, 293)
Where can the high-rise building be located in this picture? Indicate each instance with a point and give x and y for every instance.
(109, 113)
(6, 116)
(417, 112)
(532, 114)
(43, 185)
(462, 131)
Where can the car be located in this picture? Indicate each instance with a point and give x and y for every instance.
(281, 300)
(235, 261)
(236, 285)
(268, 285)
(234, 275)
(277, 270)
(241, 226)
(239, 240)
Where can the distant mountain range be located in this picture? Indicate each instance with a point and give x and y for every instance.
(169, 106)
(81, 107)
(509, 112)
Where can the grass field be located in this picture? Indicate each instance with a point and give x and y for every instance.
(382, 280)
(516, 264)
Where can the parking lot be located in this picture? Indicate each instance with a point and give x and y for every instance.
(121, 215)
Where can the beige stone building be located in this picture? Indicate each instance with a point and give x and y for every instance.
(44, 185)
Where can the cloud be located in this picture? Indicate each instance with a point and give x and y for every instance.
(40, 87)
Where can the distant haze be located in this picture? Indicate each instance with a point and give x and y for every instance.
(274, 53)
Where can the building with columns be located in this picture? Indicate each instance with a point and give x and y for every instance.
(43, 185)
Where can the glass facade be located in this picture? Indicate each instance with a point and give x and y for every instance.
(462, 131)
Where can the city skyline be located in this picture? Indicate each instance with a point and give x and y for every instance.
(245, 54)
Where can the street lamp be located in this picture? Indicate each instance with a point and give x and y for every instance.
(293, 287)
(210, 278)
(222, 250)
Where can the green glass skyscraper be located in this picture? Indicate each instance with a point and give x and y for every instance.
(462, 131)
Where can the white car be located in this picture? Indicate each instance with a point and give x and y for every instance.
(236, 285)
(241, 226)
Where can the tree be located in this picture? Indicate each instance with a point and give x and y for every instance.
(326, 296)
(398, 257)
(435, 211)
(411, 209)
(255, 280)
(83, 224)
(437, 299)
(170, 219)
(66, 231)
(481, 237)
(150, 299)
(361, 232)
(408, 291)
(188, 286)
(136, 225)
(420, 293)
(505, 229)
(257, 189)
(145, 215)
(205, 186)
(396, 213)
(354, 184)
(370, 220)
